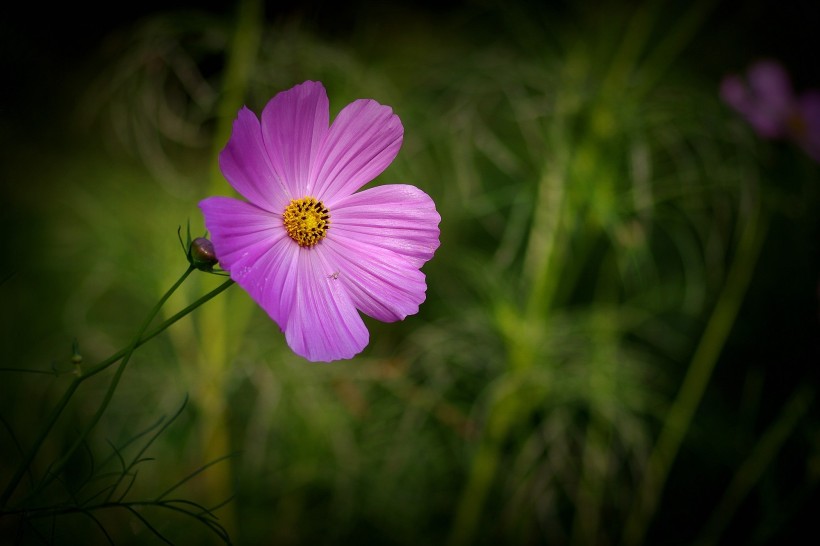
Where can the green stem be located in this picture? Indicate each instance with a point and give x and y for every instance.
(544, 249)
(697, 377)
(506, 409)
(592, 481)
(755, 464)
(125, 355)
(26, 462)
(242, 54)
(163, 326)
(109, 393)
(543, 241)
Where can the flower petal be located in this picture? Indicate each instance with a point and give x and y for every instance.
(254, 247)
(363, 140)
(808, 135)
(294, 125)
(381, 283)
(772, 99)
(245, 163)
(397, 217)
(323, 325)
(770, 83)
(733, 91)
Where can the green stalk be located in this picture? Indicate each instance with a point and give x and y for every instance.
(125, 355)
(505, 410)
(752, 468)
(162, 326)
(592, 482)
(109, 393)
(67, 397)
(213, 351)
(697, 377)
(543, 242)
(238, 68)
(515, 324)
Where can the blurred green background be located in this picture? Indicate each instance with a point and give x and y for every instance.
(621, 337)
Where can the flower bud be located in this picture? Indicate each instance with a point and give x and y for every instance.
(202, 254)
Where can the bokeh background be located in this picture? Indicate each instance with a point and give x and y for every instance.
(621, 337)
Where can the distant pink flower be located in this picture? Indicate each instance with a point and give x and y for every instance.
(309, 250)
(806, 126)
(768, 102)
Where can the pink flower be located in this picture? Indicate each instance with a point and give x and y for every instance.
(805, 127)
(768, 102)
(765, 98)
(307, 249)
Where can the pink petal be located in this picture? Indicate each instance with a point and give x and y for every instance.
(734, 93)
(254, 247)
(809, 115)
(770, 83)
(363, 140)
(247, 166)
(294, 124)
(323, 325)
(772, 99)
(809, 106)
(765, 98)
(382, 284)
(396, 217)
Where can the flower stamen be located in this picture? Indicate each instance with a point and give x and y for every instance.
(306, 221)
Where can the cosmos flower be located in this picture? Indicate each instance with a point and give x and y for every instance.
(307, 248)
(806, 126)
(766, 100)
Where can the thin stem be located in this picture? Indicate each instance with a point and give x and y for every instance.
(239, 65)
(109, 394)
(543, 241)
(163, 326)
(505, 409)
(203, 515)
(755, 464)
(55, 414)
(697, 376)
(592, 481)
(128, 351)
(138, 340)
(212, 357)
(544, 247)
(26, 462)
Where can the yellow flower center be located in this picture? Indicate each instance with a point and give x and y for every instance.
(306, 220)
